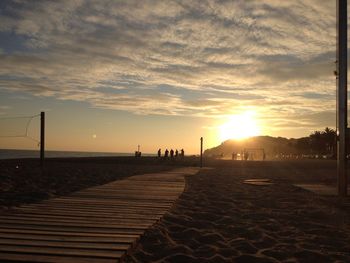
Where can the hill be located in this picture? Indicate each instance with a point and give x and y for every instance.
(318, 143)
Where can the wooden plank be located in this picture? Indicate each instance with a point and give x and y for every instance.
(134, 186)
(98, 201)
(132, 197)
(87, 213)
(97, 207)
(113, 254)
(19, 257)
(62, 218)
(95, 211)
(54, 237)
(35, 221)
(64, 244)
(116, 216)
(138, 190)
(73, 229)
(66, 233)
(139, 203)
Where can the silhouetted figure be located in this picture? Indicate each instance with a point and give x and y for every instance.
(166, 154)
(171, 153)
(234, 156)
(182, 153)
(159, 153)
(176, 153)
(246, 156)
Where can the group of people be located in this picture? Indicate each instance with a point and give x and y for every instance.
(245, 155)
(171, 153)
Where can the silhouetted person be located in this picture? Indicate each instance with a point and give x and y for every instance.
(171, 153)
(246, 156)
(182, 153)
(176, 153)
(166, 153)
(159, 153)
(234, 156)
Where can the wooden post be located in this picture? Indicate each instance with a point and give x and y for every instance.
(342, 71)
(201, 164)
(42, 138)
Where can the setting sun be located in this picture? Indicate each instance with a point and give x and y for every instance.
(239, 127)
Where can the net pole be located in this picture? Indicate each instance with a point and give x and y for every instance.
(42, 138)
(201, 160)
(342, 95)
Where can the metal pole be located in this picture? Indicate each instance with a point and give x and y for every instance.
(201, 152)
(42, 138)
(342, 94)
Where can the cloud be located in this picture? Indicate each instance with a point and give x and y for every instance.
(195, 58)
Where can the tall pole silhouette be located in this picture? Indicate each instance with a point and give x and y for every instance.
(42, 138)
(201, 156)
(342, 71)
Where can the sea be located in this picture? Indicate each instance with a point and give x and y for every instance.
(19, 154)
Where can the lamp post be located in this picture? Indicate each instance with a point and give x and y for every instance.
(342, 70)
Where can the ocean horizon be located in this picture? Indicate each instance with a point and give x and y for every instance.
(19, 154)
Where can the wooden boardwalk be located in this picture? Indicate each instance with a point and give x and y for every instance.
(99, 224)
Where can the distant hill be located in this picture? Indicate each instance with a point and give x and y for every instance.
(317, 143)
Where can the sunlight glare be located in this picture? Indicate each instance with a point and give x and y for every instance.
(239, 127)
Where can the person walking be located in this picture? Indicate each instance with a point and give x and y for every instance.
(182, 153)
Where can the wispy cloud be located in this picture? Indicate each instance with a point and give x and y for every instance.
(200, 58)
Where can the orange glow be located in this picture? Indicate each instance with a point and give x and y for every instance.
(239, 127)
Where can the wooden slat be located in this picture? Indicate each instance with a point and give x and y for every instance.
(52, 237)
(80, 229)
(65, 233)
(75, 219)
(63, 244)
(98, 224)
(116, 216)
(92, 211)
(62, 251)
(118, 210)
(20, 257)
(42, 222)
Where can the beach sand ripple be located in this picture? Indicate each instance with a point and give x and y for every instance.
(219, 218)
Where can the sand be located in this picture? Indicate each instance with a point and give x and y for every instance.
(219, 218)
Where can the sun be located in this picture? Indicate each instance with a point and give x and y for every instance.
(239, 127)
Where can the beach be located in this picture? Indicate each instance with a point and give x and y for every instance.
(221, 219)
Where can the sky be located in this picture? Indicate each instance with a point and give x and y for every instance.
(112, 75)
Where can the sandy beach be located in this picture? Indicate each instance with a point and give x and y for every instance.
(218, 218)
(221, 219)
